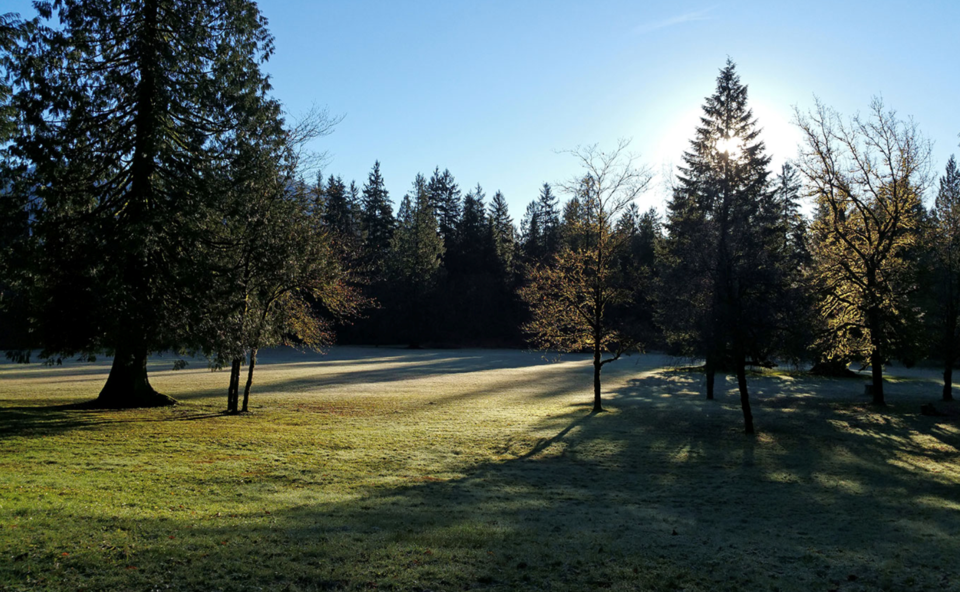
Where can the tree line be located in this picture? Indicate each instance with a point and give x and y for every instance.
(154, 200)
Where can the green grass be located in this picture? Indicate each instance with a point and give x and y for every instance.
(453, 470)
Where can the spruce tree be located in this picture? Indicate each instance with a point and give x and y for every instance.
(445, 200)
(376, 220)
(338, 209)
(504, 234)
(944, 301)
(125, 108)
(531, 233)
(549, 212)
(724, 267)
(416, 252)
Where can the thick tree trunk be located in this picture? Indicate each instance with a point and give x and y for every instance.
(127, 385)
(876, 368)
(233, 391)
(948, 381)
(744, 395)
(246, 389)
(711, 369)
(596, 380)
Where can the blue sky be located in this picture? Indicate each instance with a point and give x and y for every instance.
(493, 90)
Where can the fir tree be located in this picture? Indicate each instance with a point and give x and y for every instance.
(338, 209)
(723, 262)
(376, 220)
(445, 200)
(416, 253)
(547, 204)
(504, 234)
(944, 302)
(125, 111)
(531, 233)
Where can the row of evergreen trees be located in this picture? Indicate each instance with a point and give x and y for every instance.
(446, 269)
(152, 201)
(735, 274)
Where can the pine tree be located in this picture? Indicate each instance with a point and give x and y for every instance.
(10, 31)
(547, 204)
(473, 251)
(724, 266)
(445, 200)
(416, 252)
(125, 109)
(339, 209)
(504, 234)
(531, 233)
(944, 302)
(376, 221)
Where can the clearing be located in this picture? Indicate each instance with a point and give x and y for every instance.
(377, 468)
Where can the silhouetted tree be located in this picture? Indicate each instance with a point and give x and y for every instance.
(944, 301)
(540, 227)
(376, 221)
(445, 200)
(338, 209)
(124, 110)
(416, 252)
(867, 176)
(724, 257)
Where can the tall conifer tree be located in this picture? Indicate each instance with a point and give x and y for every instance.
(376, 220)
(944, 301)
(126, 107)
(416, 253)
(723, 268)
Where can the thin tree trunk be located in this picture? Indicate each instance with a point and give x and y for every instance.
(711, 369)
(596, 379)
(876, 368)
(744, 395)
(948, 381)
(233, 392)
(127, 385)
(246, 389)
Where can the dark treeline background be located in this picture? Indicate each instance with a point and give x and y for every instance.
(445, 267)
(153, 199)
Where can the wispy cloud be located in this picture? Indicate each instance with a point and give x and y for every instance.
(687, 17)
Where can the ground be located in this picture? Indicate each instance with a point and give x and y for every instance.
(475, 469)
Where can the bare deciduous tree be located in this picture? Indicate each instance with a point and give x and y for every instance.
(867, 175)
(572, 297)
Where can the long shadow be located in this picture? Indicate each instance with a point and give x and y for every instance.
(47, 421)
(663, 492)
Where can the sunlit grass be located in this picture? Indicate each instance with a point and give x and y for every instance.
(450, 470)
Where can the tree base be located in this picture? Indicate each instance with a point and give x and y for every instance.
(127, 385)
(154, 400)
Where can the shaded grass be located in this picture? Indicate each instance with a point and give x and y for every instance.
(387, 469)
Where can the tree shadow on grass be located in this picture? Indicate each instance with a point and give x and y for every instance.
(47, 421)
(663, 492)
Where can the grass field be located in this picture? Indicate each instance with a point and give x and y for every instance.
(466, 469)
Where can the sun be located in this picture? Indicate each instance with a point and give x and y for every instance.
(732, 147)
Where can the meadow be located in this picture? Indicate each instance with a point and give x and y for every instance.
(377, 468)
